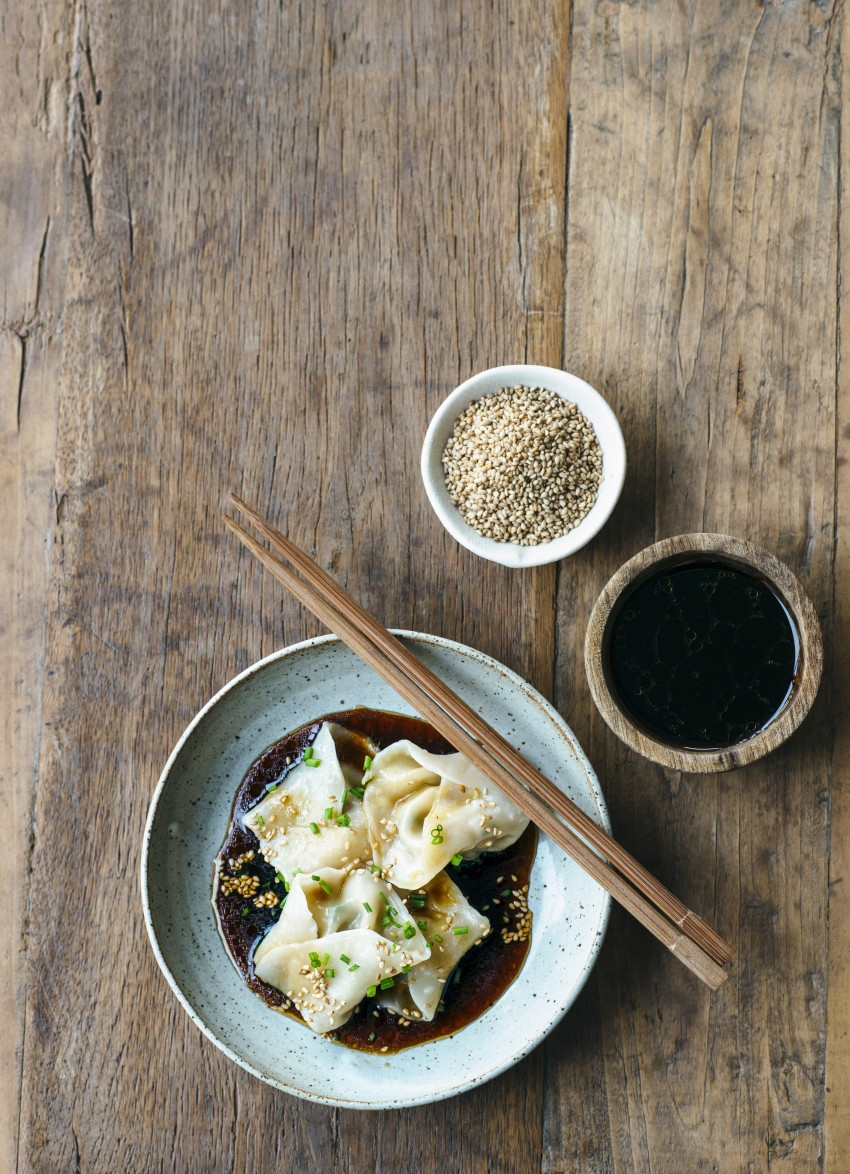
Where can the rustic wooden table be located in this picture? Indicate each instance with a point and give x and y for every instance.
(253, 247)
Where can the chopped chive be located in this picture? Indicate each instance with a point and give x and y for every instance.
(329, 813)
(297, 871)
(327, 888)
(409, 931)
(314, 828)
(245, 912)
(330, 972)
(456, 859)
(344, 797)
(326, 959)
(370, 991)
(384, 897)
(260, 820)
(286, 885)
(343, 820)
(386, 920)
(367, 763)
(417, 900)
(314, 958)
(436, 838)
(395, 947)
(358, 791)
(273, 787)
(505, 893)
(314, 877)
(386, 983)
(308, 753)
(344, 958)
(375, 869)
(441, 1007)
(459, 929)
(279, 876)
(405, 969)
(438, 939)
(367, 906)
(422, 924)
(457, 976)
(356, 966)
(312, 762)
(335, 1037)
(371, 1037)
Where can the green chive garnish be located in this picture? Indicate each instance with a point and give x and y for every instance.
(417, 900)
(358, 791)
(367, 763)
(343, 820)
(384, 897)
(456, 859)
(506, 892)
(344, 958)
(436, 838)
(314, 958)
(326, 959)
(457, 976)
(344, 797)
(386, 920)
(260, 820)
(297, 871)
(335, 1037)
(329, 973)
(386, 983)
(375, 869)
(422, 924)
(356, 966)
(441, 1007)
(314, 877)
(329, 813)
(370, 991)
(312, 761)
(308, 753)
(314, 828)
(409, 931)
(273, 787)
(438, 939)
(326, 887)
(459, 929)
(405, 969)
(279, 876)
(286, 885)
(371, 1037)
(245, 912)
(367, 906)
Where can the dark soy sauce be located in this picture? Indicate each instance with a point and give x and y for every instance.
(703, 655)
(483, 974)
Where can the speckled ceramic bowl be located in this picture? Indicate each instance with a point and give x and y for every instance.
(187, 822)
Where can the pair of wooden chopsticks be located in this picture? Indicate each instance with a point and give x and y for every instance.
(690, 938)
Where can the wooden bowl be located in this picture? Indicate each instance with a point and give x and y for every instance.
(739, 555)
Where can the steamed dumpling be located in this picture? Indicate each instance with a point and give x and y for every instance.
(446, 909)
(338, 925)
(421, 809)
(281, 820)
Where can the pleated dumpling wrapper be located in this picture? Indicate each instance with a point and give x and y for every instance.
(422, 809)
(453, 927)
(290, 822)
(326, 916)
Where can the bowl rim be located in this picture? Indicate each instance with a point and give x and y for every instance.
(564, 384)
(598, 798)
(752, 558)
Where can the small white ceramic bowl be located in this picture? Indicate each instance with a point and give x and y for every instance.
(568, 387)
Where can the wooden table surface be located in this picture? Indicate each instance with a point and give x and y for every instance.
(254, 246)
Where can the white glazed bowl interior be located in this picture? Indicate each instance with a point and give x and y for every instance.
(187, 822)
(568, 387)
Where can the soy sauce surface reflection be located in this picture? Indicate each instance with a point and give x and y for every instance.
(703, 655)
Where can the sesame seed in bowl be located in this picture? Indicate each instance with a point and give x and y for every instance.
(523, 465)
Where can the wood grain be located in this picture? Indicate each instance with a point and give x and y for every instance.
(289, 230)
(701, 295)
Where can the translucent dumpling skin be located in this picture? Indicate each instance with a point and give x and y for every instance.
(422, 809)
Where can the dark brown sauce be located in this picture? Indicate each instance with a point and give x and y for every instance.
(483, 974)
(703, 654)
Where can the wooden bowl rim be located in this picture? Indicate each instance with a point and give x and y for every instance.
(792, 593)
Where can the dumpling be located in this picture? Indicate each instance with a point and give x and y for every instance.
(284, 819)
(422, 809)
(417, 994)
(338, 935)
